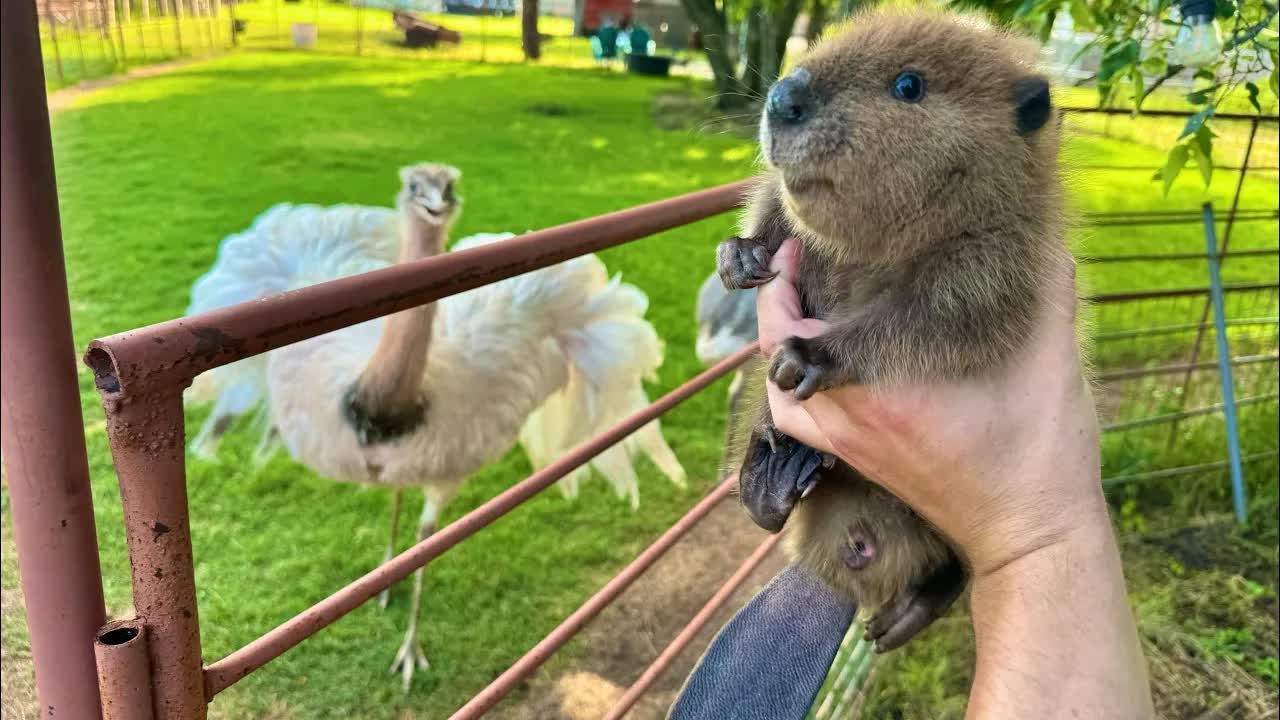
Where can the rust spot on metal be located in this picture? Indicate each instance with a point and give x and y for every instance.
(157, 530)
(210, 341)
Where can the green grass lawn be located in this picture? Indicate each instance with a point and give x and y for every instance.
(150, 185)
(154, 173)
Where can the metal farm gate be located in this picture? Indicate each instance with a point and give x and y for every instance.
(151, 665)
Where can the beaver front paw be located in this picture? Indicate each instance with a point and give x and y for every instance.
(743, 263)
(797, 367)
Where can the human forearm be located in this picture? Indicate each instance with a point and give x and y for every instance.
(1055, 634)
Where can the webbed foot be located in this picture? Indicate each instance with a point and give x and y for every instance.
(915, 609)
(778, 472)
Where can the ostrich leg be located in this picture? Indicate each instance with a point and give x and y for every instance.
(410, 656)
(384, 597)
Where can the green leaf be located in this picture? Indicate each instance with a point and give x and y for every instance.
(1118, 57)
(1205, 74)
(1046, 26)
(1253, 95)
(1173, 166)
(1275, 87)
(1081, 16)
(1201, 150)
(1155, 64)
(1205, 137)
(1026, 9)
(1198, 97)
(1226, 9)
(1195, 122)
(1139, 86)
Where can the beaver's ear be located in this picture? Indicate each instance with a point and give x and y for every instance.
(1031, 104)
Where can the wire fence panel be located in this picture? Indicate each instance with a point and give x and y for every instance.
(86, 40)
(371, 30)
(1160, 392)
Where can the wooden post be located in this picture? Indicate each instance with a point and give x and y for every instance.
(53, 38)
(77, 19)
(359, 25)
(177, 23)
(529, 30)
(124, 55)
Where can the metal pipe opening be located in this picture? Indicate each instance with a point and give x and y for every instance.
(124, 671)
(105, 377)
(119, 636)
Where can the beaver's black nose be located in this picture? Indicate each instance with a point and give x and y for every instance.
(790, 100)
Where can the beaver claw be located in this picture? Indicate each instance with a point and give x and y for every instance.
(915, 609)
(743, 263)
(778, 472)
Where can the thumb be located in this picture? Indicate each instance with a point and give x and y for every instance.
(778, 308)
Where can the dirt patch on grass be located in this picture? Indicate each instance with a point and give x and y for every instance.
(619, 644)
(62, 98)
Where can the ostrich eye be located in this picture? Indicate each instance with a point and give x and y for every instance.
(909, 87)
(448, 193)
(414, 188)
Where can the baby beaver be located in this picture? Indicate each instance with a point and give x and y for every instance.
(914, 156)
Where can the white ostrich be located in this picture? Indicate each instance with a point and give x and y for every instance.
(726, 324)
(430, 395)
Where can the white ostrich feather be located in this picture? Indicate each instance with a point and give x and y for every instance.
(548, 358)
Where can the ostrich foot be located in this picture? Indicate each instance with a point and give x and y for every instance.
(409, 658)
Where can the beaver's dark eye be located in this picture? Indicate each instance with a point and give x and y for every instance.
(909, 87)
(448, 195)
(414, 188)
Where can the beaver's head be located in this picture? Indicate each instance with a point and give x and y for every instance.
(905, 127)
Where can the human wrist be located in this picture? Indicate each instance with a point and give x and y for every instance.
(1060, 606)
(1036, 525)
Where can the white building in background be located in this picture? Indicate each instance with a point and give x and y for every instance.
(429, 6)
(555, 8)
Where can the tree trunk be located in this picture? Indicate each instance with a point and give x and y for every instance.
(752, 63)
(817, 20)
(782, 24)
(715, 44)
(530, 41)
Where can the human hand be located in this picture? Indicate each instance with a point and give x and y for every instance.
(1002, 465)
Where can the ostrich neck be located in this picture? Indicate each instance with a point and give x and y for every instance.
(390, 381)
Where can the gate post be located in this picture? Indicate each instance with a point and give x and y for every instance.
(47, 470)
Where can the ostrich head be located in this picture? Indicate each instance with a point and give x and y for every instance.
(427, 191)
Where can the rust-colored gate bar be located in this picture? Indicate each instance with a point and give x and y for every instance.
(172, 353)
(532, 660)
(124, 671)
(227, 671)
(148, 446)
(40, 422)
(690, 631)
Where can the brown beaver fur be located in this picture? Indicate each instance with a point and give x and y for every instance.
(930, 221)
